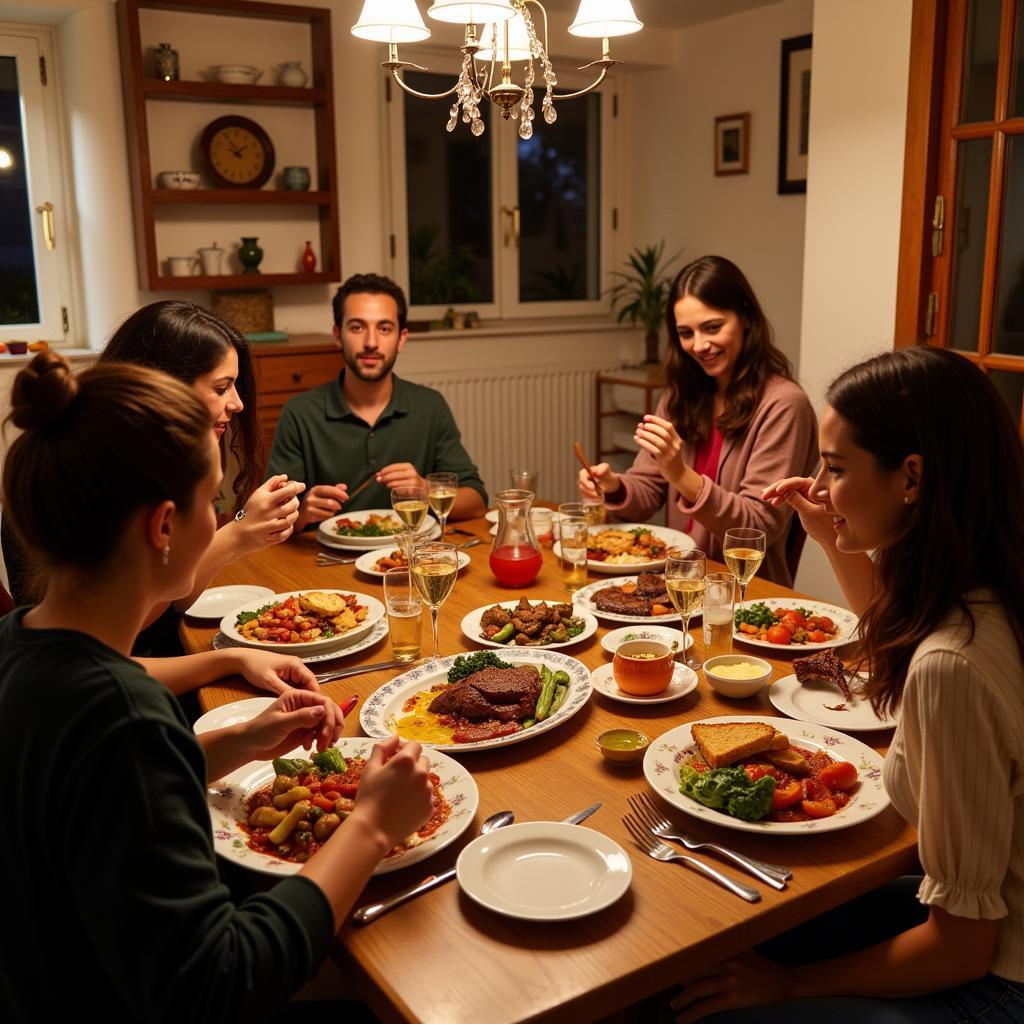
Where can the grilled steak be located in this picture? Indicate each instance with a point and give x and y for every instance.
(612, 599)
(651, 585)
(504, 694)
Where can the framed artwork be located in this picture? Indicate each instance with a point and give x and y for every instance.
(732, 144)
(794, 114)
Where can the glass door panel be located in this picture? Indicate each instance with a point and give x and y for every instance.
(1010, 385)
(1008, 328)
(968, 240)
(1017, 68)
(981, 58)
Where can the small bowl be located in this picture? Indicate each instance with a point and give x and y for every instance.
(737, 687)
(623, 746)
(183, 180)
(643, 668)
(17, 348)
(237, 74)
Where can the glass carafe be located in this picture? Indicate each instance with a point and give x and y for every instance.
(515, 555)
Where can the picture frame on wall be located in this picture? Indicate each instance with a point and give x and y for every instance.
(794, 114)
(732, 144)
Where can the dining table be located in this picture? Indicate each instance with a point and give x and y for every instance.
(442, 958)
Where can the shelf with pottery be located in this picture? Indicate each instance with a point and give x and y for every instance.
(238, 197)
(220, 92)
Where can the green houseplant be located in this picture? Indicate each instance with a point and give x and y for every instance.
(642, 292)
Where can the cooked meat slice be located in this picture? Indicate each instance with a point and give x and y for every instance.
(824, 665)
(652, 585)
(527, 626)
(612, 599)
(563, 611)
(505, 694)
(496, 616)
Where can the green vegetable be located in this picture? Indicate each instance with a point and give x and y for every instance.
(291, 765)
(503, 634)
(560, 694)
(527, 722)
(331, 760)
(465, 665)
(547, 693)
(754, 802)
(729, 790)
(244, 617)
(574, 626)
(561, 678)
(756, 615)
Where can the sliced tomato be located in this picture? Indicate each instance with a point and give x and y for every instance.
(756, 770)
(779, 635)
(825, 623)
(786, 794)
(817, 800)
(839, 775)
(815, 636)
(794, 618)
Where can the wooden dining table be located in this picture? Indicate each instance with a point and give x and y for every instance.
(443, 959)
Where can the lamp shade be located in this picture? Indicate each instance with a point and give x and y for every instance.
(518, 40)
(599, 18)
(471, 12)
(391, 21)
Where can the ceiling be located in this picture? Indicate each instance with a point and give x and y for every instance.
(674, 13)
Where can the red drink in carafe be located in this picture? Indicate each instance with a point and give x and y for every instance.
(515, 565)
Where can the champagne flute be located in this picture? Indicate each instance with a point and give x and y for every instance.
(442, 490)
(410, 503)
(434, 568)
(684, 581)
(744, 553)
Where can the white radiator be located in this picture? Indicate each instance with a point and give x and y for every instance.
(523, 418)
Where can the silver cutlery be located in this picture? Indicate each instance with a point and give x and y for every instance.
(655, 848)
(470, 544)
(461, 533)
(323, 559)
(647, 811)
(357, 670)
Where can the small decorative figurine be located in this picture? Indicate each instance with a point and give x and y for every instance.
(165, 59)
(309, 259)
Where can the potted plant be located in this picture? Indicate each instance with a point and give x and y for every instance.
(642, 292)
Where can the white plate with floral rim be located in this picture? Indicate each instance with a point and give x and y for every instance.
(367, 562)
(374, 613)
(845, 621)
(670, 538)
(376, 634)
(661, 634)
(667, 752)
(585, 597)
(818, 701)
(471, 625)
(327, 531)
(380, 713)
(226, 799)
(684, 681)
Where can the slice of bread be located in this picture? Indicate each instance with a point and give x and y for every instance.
(724, 743)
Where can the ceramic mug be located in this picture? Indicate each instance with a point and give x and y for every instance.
(181, 266)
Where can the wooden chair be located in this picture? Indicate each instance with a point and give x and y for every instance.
(795, 539)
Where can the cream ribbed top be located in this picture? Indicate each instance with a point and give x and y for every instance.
(956, 771)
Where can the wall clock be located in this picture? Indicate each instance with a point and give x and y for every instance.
(238, 153)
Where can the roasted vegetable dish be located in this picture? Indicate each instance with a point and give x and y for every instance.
(531, 625)
(315, 615)
(625, 547)
(784, 625)
(373, 526)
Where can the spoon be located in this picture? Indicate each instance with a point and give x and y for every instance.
(364, 915)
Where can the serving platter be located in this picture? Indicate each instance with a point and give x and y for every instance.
(817, 700)
(471, 626)
(326, 534)
(585, 598)
(380, 713)
(670, 538)
(845, 621)
(376, 634)
(668, 751)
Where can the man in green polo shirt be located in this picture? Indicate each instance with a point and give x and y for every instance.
(369, 422)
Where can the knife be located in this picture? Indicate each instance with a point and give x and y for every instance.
(370, 912)
(342, 673)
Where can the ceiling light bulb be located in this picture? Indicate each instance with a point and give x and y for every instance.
(6, 159)
(391, 21)
(600, 18)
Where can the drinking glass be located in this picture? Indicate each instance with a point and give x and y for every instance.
(573, 532)
(410, 503)
(434, 568)
(571, 509)
(442, 489)
(594, 510)
(719, 609)
(405, 614)
(684, 581)
(744, 553)
(523, 479)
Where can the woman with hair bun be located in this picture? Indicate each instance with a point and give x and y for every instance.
(918, 516)
(106, 815)
(732, 421)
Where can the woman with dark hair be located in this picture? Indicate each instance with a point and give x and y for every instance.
(732, 420)
(923, 466)
(114, 848)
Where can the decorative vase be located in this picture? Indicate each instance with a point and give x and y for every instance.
(296, 179)
(250, 254)
(309, 259)
(210, 257)
(165, 59)
(292, 74)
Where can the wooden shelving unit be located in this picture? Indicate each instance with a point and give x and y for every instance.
(649, 379)
(147, 200)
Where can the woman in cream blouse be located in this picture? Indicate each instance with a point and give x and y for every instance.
(922, 465)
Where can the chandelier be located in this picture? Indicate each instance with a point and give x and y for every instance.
(509, 36)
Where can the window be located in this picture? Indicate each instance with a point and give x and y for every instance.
(496, 224)
(35, 276)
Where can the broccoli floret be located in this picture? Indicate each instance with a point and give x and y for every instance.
(466, 665)
(756, 615)
(331, 760)
(729, 790)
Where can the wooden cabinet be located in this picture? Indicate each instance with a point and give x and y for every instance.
(144, 99)
(614, 410)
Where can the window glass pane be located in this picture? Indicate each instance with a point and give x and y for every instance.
(19, 298)
(448, 196)
(1017, 68)
(968, 241)
(559, 203)
(1008, 329)
(981, 51)
(1011, 386)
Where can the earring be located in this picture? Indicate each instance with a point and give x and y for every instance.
(906, 500)
(167, 554)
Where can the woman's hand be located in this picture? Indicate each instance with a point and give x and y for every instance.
(277, 673)
(808, 503)
(395, 794)
(659, 438)
(297, 718)
(270, 514)
(749, 980)
(609, 480)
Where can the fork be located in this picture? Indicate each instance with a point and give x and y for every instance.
(645, 809)
(470, 543)
(325, 559)
(655, 848)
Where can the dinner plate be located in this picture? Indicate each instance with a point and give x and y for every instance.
(366, 562)
(662, 634)
(216, 602)
(226, 800)
(374, 614)
(544, 871)
(471, 625)
(376, 634)
(815, 702)
(380, 712)
(585, 598)
(670, 538)
(684, 681)
(326, 530)
(231, 714)
(846, 622)
(666, 753)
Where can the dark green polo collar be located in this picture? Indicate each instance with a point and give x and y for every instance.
(337, 407)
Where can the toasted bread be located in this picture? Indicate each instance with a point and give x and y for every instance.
(318, 603)
(724, 743)
(789, 761)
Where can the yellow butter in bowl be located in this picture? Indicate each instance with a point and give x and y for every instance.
(739, 670)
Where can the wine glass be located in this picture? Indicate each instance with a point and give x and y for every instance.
(410, 503)
(434, 568)
(684, 581)
(744, 553)
(442, 490)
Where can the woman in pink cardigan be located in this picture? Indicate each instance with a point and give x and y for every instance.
(731, 422)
